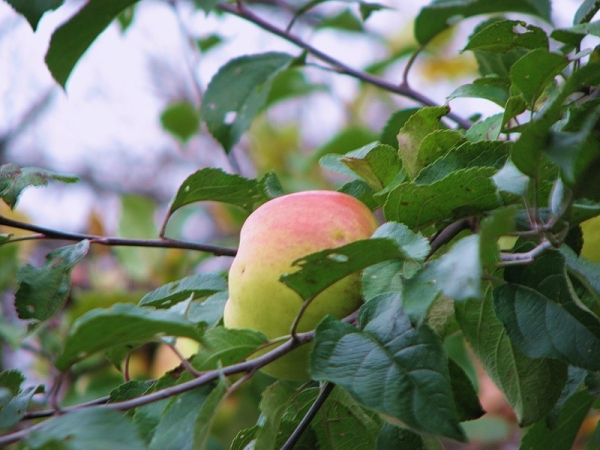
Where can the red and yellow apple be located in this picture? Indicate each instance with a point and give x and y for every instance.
(271, 239)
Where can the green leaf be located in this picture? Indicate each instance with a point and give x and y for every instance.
(528, 149)
(212, 184)
(531, 386)
(273, 405)
(487, 129)
(181, 119)
(130, 389)
(87, 429)
(510, 179)
(320, 270)
(504, 35)
(392, 436)
(345, 21)
(206, 5)
(207, 43)
(586, 11)
(492, 89)
(13, 400)
(440, 275)
(209, 311)
(470, 154)
(419, 125)
(541, 328)
(414, 246)
(377, 164)
(389, 134)
(460, 193)
(208, 412)
(198, 286)
(237, 93)
(560, 436)
(437, 144)
(226, 346)
(101, 329)
(342, 424)
(534, 71)
(71, 40)
(468, 406)
(13, 180)
(389, 366)
(291, 83)
(441, 14)
(43, 292)
(177, 424)
(586, 271)
(34, 10)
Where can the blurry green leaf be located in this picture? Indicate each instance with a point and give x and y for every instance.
(237, 93)
(419, 125)
(560, 436)
(469, 154)
(13, 180)
(320, 270)
(414, 246)
(586, 11)
(181, 119)
(389, 134)
(528, 149)
(87, 429)
(137, 220)
(441, 14)
(377, 164)
(392, 436)
(347, 139)
(198, 285)
(176, 427)
(212, 184)
(503, 35)
(511, 179)
(130, 389)
(534, 71)
(515, 105)
(34, 10)
(206, 5)
(43, 292)
(440, 275)
(273, 404)
(586, 271)
(344, 20)
(207, 43)
(499, 223)
(291, 83)
(387, 347)
(460, 193)
(101, 329)
(125, 18)
(209, 311)
(368, 8)
(487, 129)
(542, 328)
(208, 412)
(71, 40)
(13, 400)
(492, 89)
(468, 406)
(510, 369)
(226, 346)
(361, 191)
(343, 424)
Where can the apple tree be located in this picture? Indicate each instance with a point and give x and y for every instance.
(482, 278)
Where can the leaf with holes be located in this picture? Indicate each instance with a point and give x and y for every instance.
(238, 92)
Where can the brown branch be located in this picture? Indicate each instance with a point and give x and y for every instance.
(403, 90)
(47, 233)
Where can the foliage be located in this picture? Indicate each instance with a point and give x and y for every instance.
(479, 256)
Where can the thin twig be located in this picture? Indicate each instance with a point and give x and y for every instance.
(114, 241)
(308, 417)
(404, 90)
(447, 234)
(511, 259)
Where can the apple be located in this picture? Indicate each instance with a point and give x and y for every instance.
(271, 239)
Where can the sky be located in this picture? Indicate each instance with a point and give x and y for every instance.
(106, 127)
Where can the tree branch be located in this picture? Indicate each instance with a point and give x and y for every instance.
(47, 233)
(309, 416)
(403, 90)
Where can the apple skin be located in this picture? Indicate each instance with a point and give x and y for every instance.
(276, 234)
